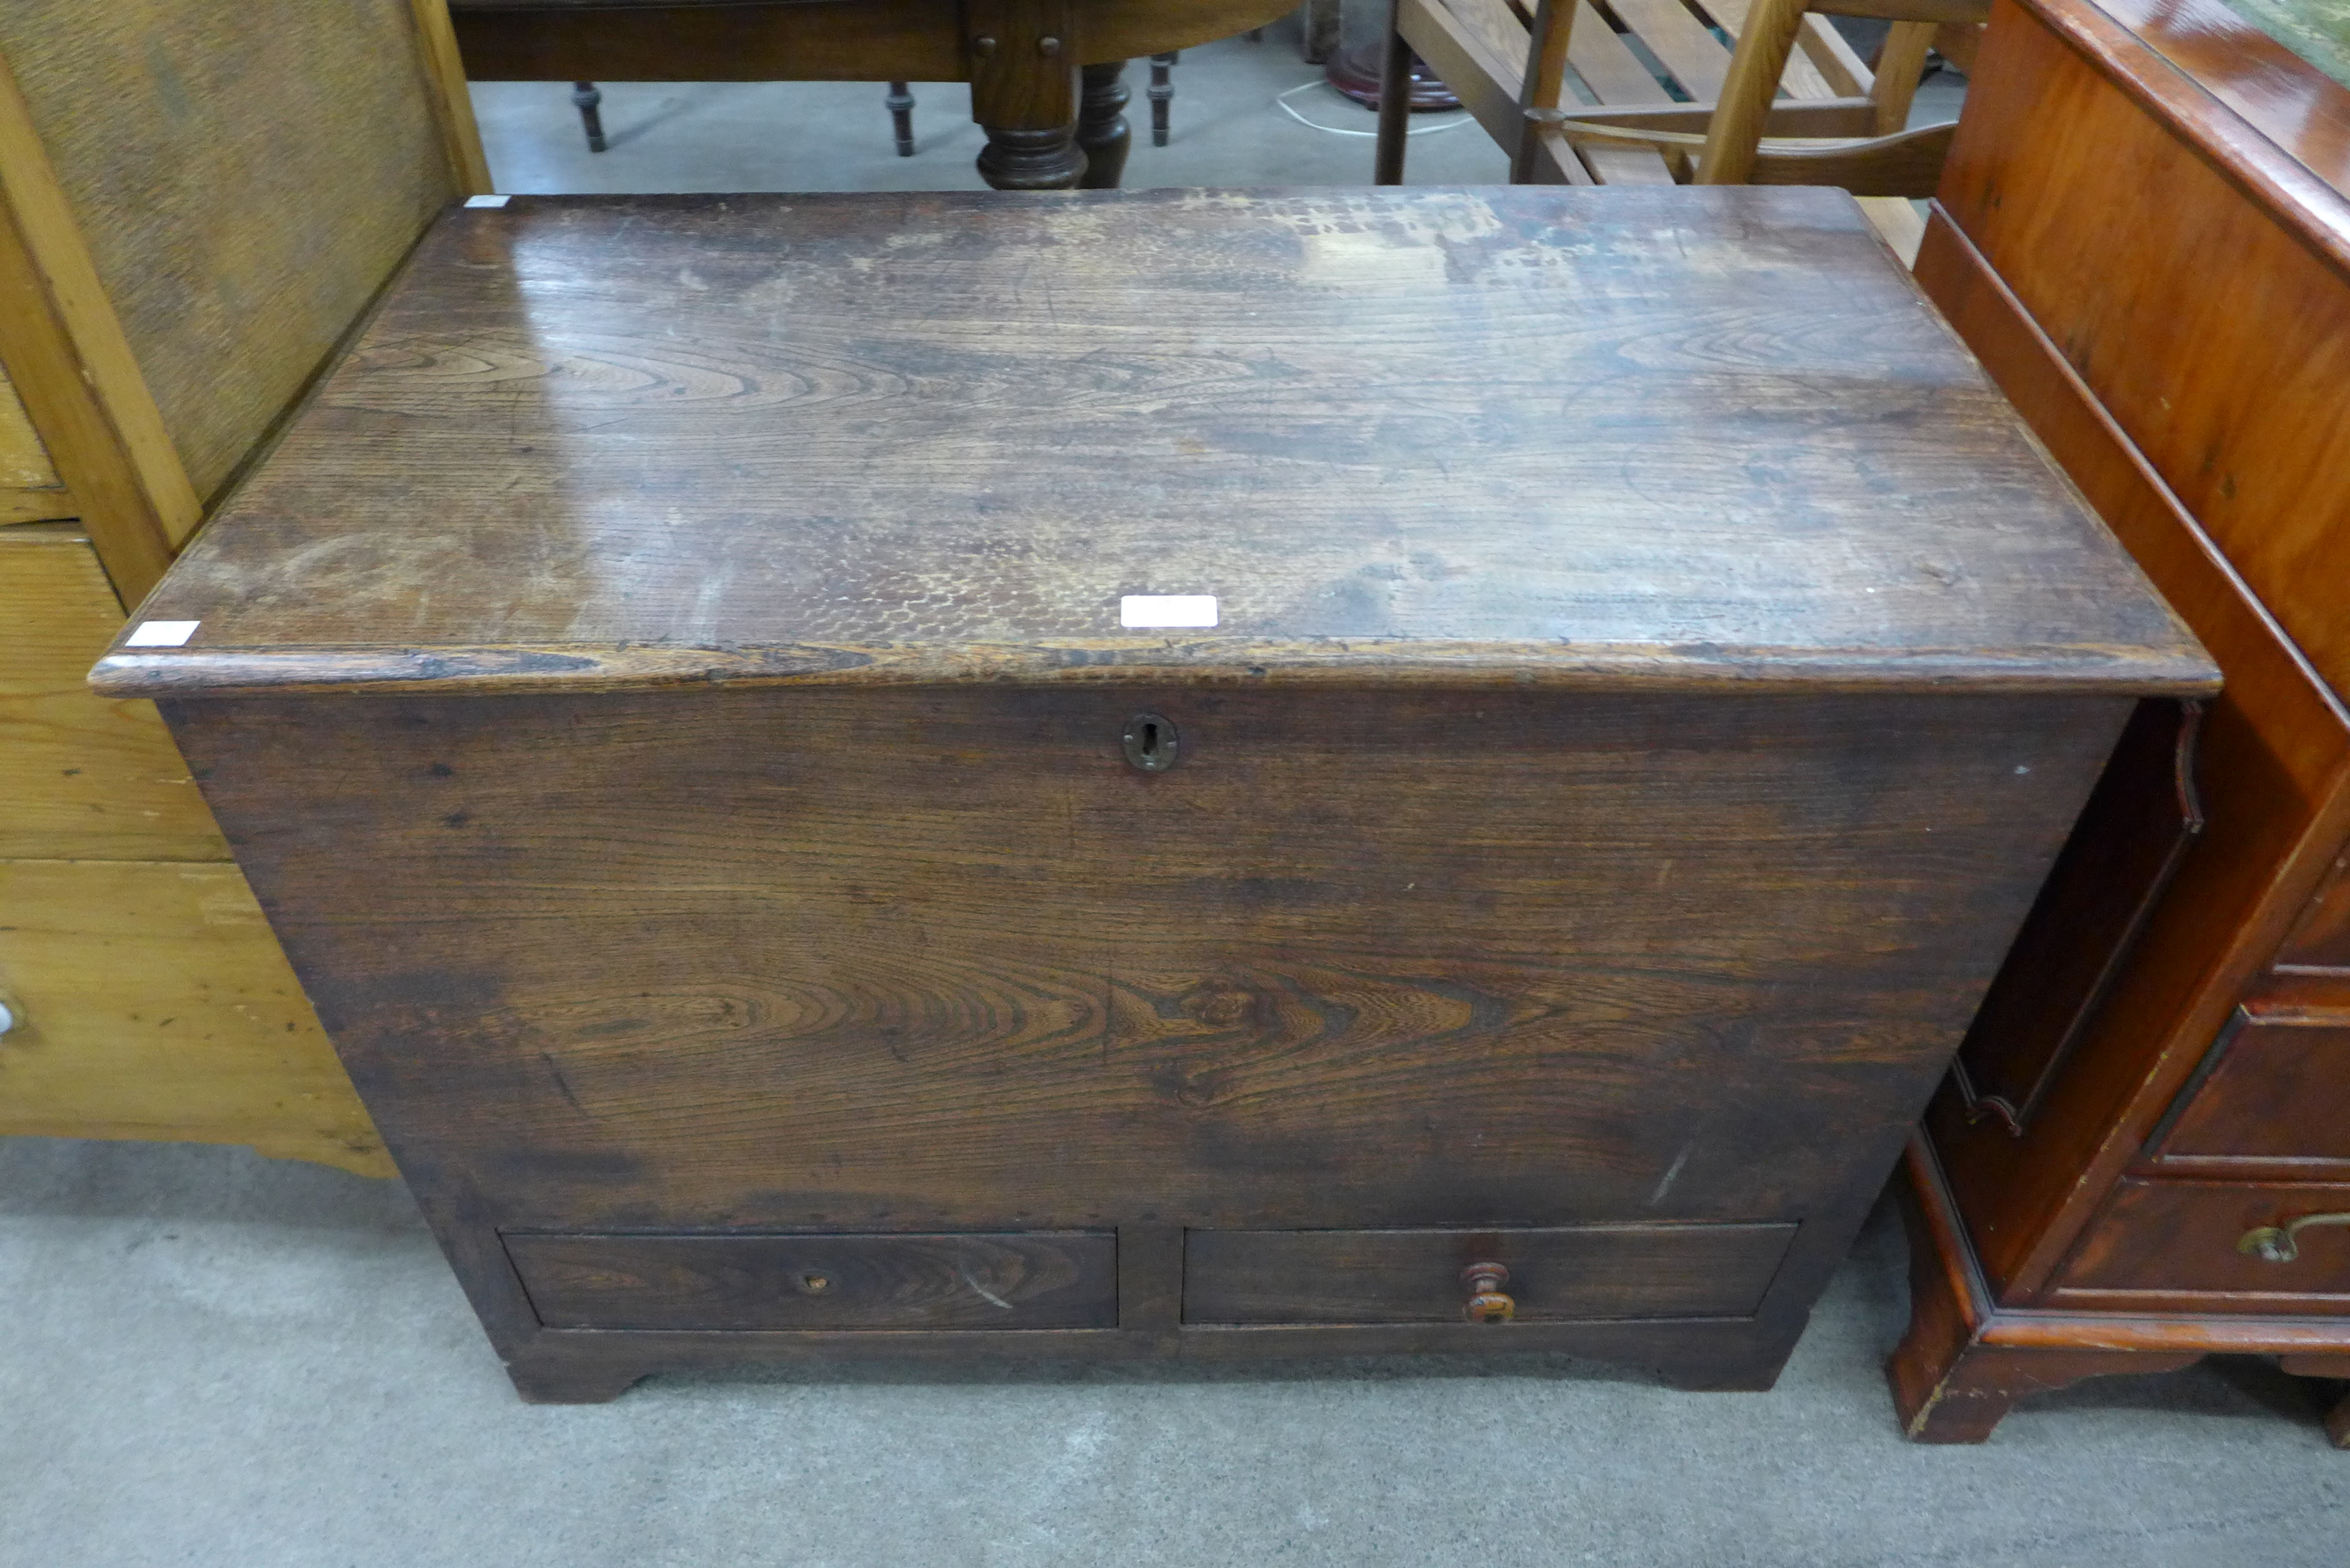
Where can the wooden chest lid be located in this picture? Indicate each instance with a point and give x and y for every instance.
(1561, 436)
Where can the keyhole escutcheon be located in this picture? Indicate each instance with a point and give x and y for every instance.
(1152, 743)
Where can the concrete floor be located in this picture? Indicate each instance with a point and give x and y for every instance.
(216, 1358)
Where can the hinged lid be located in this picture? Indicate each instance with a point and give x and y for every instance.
(1563, 436)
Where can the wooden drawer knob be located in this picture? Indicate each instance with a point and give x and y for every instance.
(2278, 1243)
(1486, 1303)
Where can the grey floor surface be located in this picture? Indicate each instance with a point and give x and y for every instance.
(211, 1357)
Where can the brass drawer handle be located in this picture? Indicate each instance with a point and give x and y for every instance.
(2276, 1243)
(1486, 1302)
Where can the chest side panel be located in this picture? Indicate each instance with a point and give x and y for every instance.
(903, 958)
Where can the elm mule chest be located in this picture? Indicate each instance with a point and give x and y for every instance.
(720, 699)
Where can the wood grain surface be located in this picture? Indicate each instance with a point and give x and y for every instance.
(67, 359)
(154, 1004)
(1016, 1280)
(2274, 776)
(2157, 1243)
(2234, 393)
(85, 777)
(799, 40)
(24, 461)
(246, 177)
(755, 958)
(1528, 434)
(2319, 942)
(1414, 1276)
(2235, 95)
(2267, 1102)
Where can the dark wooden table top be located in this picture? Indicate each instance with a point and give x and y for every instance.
(1684, 436)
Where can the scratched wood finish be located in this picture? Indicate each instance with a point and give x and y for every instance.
(1346, 942)
(1414, 1276)
(1600, 803)
(246, 176)
(877, 438)
(872, 1283)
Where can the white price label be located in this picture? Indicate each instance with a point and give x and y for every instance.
(1167, 609)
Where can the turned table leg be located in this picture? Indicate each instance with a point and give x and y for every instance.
(588, 99)
(1103, 134)
(1162, 96)
(1023, 92)
(900, 103)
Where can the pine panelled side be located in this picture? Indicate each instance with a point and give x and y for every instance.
(29, 488)
(151, 1000)
(154, 1004)
(86, 777)
(246, 176)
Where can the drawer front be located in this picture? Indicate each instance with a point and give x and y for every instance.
(1416, 1276)
(2277, 1089)
(1014, 1280)
(2319, 942)
(2183, 1238)
(153, 1003)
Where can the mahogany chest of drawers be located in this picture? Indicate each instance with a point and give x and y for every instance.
(1154, 773)
(2146, 1158)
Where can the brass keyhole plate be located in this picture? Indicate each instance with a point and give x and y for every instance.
(1151, 743)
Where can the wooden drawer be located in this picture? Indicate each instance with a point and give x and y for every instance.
(155, 1003)
(2319, 942)
(2182, 1238)
(1054, 1279)
(2276, 1089)
(1414, 1276)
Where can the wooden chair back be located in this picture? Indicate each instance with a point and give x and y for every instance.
(1766, 113)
